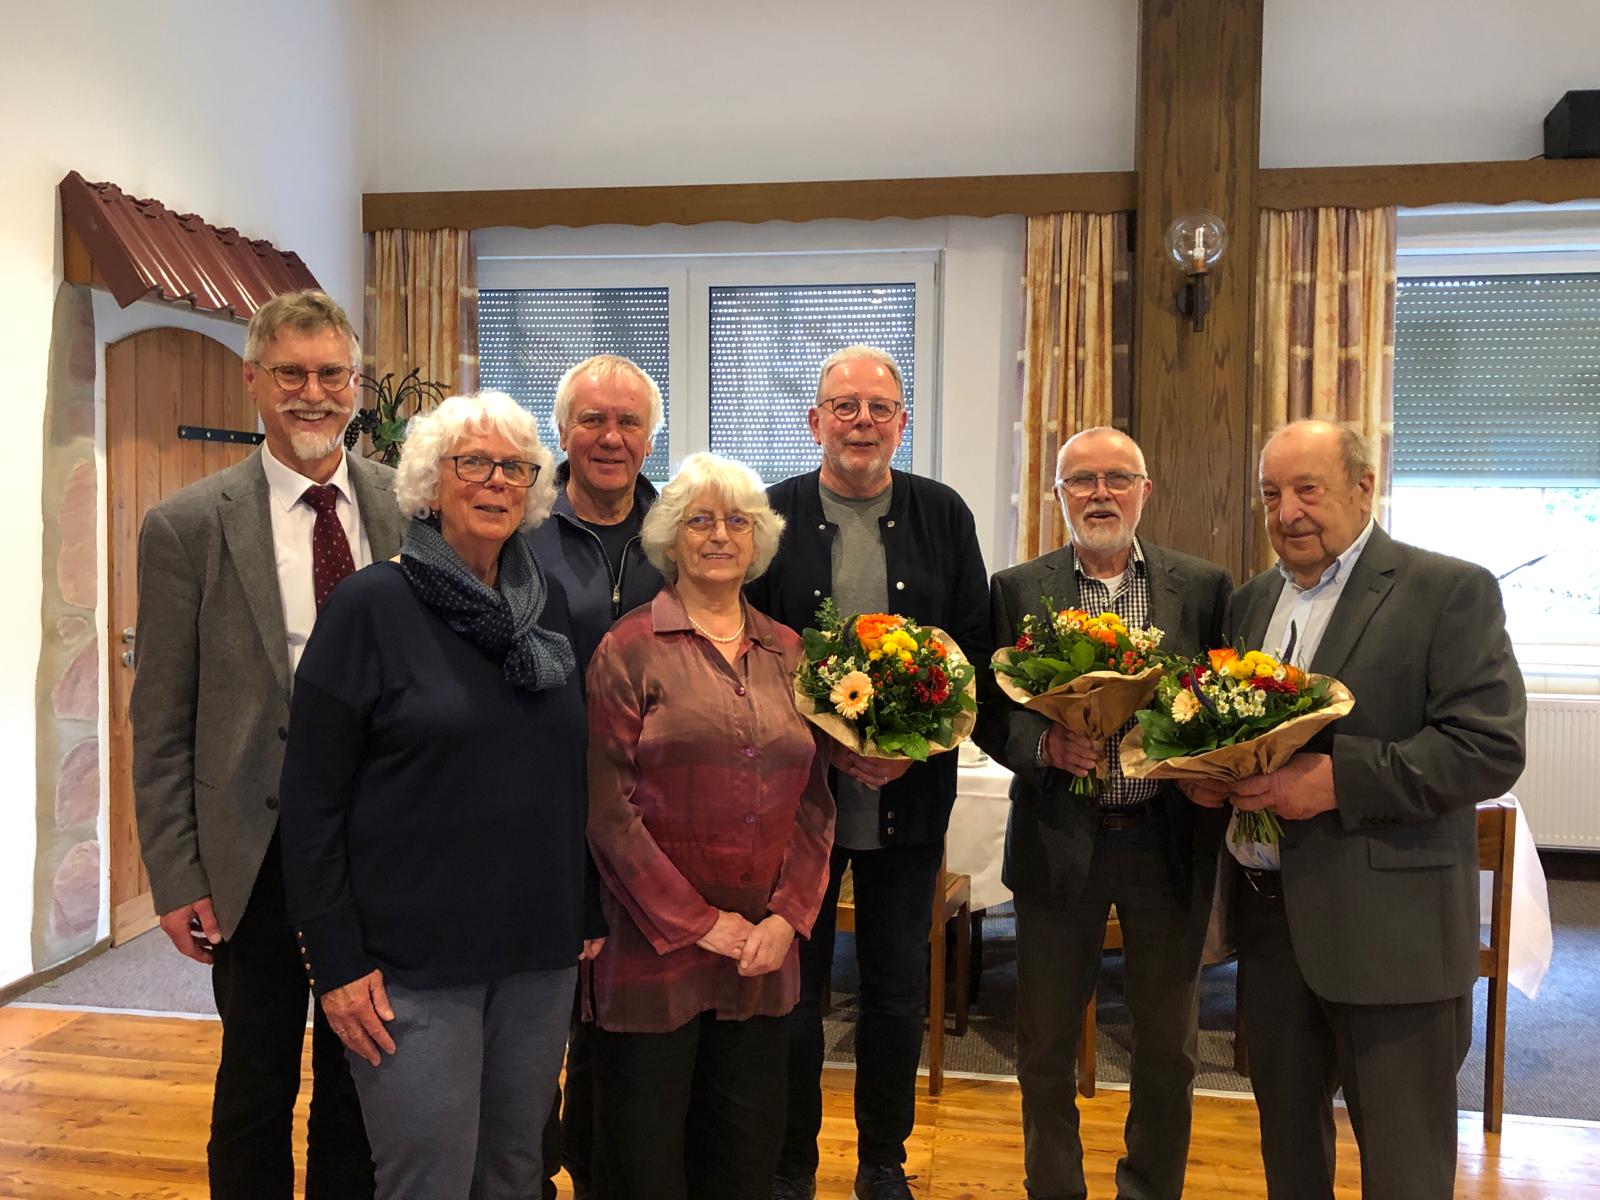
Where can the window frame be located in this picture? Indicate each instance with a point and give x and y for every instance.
(689, 277)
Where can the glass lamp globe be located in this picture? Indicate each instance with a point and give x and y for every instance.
(1196, 241)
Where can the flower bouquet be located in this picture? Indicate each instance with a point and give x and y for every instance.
(1228, 716)
(885, 686)
(1087, 673)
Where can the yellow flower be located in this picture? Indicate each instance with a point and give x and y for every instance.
(1184, 707)
(901, 643)
(850, 694)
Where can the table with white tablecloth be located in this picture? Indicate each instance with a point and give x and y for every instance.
(975, 846)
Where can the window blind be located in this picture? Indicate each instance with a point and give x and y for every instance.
(528, 338)
(766, 346)
(1497, 381)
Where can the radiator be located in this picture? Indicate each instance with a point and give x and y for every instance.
(1560, 789)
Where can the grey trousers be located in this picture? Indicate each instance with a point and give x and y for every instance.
(1396, 1063)
(1058, 968)
(458, 1110)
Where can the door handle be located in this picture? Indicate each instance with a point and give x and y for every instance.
(127, 640)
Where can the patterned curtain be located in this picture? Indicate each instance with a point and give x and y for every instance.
(1076, 373)
(1324, 333)
(422, 306)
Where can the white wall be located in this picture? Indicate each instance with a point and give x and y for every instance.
(175, 101)
(1385, 81)
(507, 94)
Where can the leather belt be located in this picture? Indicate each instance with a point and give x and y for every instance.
(1123, 818)
(1266, 884)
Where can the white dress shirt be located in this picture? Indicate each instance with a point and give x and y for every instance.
(1306, 612)
(293, 521)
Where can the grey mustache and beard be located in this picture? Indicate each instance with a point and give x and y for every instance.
(309, 446)
(1102, 539)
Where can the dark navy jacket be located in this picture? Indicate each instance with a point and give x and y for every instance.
(936, 577)
(573, 554)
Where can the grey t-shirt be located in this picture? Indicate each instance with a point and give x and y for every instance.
(860, 585)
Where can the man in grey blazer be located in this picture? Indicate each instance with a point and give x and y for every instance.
(1358, 932)
(1138, 846)
(232, 570)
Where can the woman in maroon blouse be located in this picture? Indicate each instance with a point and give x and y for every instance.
(711, 823)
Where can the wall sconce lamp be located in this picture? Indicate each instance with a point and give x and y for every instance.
(1196, 241)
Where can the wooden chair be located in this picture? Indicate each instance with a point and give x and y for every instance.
(1497, 827)
(952, 901)
(1086, 1056)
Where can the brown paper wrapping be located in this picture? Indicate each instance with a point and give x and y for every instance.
(846, 734)
(1227, 764)
(1095, 704)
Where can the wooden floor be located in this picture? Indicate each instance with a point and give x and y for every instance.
(96, 1105)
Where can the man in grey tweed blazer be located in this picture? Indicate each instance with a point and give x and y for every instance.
(228, 590)
(1138, 846)
(1358, 930)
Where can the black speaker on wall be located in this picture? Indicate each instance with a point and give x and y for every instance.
(1572, 130)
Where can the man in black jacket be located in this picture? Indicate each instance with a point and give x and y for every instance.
(607, 412)
(876, 540)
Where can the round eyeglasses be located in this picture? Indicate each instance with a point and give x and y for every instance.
(291, 377)
(848, 408)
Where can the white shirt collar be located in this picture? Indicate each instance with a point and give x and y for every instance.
(1339, 568)
(288, 485)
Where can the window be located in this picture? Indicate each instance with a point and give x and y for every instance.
(527, 338)
(1497, 444)
(734, 342)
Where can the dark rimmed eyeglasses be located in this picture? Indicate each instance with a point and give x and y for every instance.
(291, 377)
(1082, 485)
(479, 468)
(848, 408)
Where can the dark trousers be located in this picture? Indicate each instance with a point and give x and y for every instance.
(893, 910)
(697, 1112)
(1397, 1064)
(1058, 968)
(569, 1130)
(261, 989)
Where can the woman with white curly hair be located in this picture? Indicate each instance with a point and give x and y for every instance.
(433, 812)
(711, 823)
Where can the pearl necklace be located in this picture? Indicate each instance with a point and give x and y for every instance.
(732, 637)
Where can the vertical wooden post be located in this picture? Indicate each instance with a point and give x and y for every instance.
(1198, 143)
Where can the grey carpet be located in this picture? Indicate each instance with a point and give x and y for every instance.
(1552, 1054)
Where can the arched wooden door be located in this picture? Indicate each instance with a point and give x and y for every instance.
(155, 381)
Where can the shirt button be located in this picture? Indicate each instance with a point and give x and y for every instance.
(823, 527)
(816, 591)
(272, 803)
(283, 734)
(739, 691)
(749, 818)
(888, 524)
(749, 751)
(899, 585)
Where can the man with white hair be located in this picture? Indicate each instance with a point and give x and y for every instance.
(232, 572)
(1138, 846)
(607, 412)
(876, 540)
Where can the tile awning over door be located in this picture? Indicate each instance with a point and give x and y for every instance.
(143, 250)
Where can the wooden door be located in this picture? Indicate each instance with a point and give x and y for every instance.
(155, 381)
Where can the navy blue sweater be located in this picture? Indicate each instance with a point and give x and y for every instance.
(432, 814)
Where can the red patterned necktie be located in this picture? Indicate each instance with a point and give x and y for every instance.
(330, 549)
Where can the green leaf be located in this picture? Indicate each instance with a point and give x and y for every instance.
(1082, 656)
(818, 645)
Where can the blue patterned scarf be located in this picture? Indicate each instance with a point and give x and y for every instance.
(501, 621)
